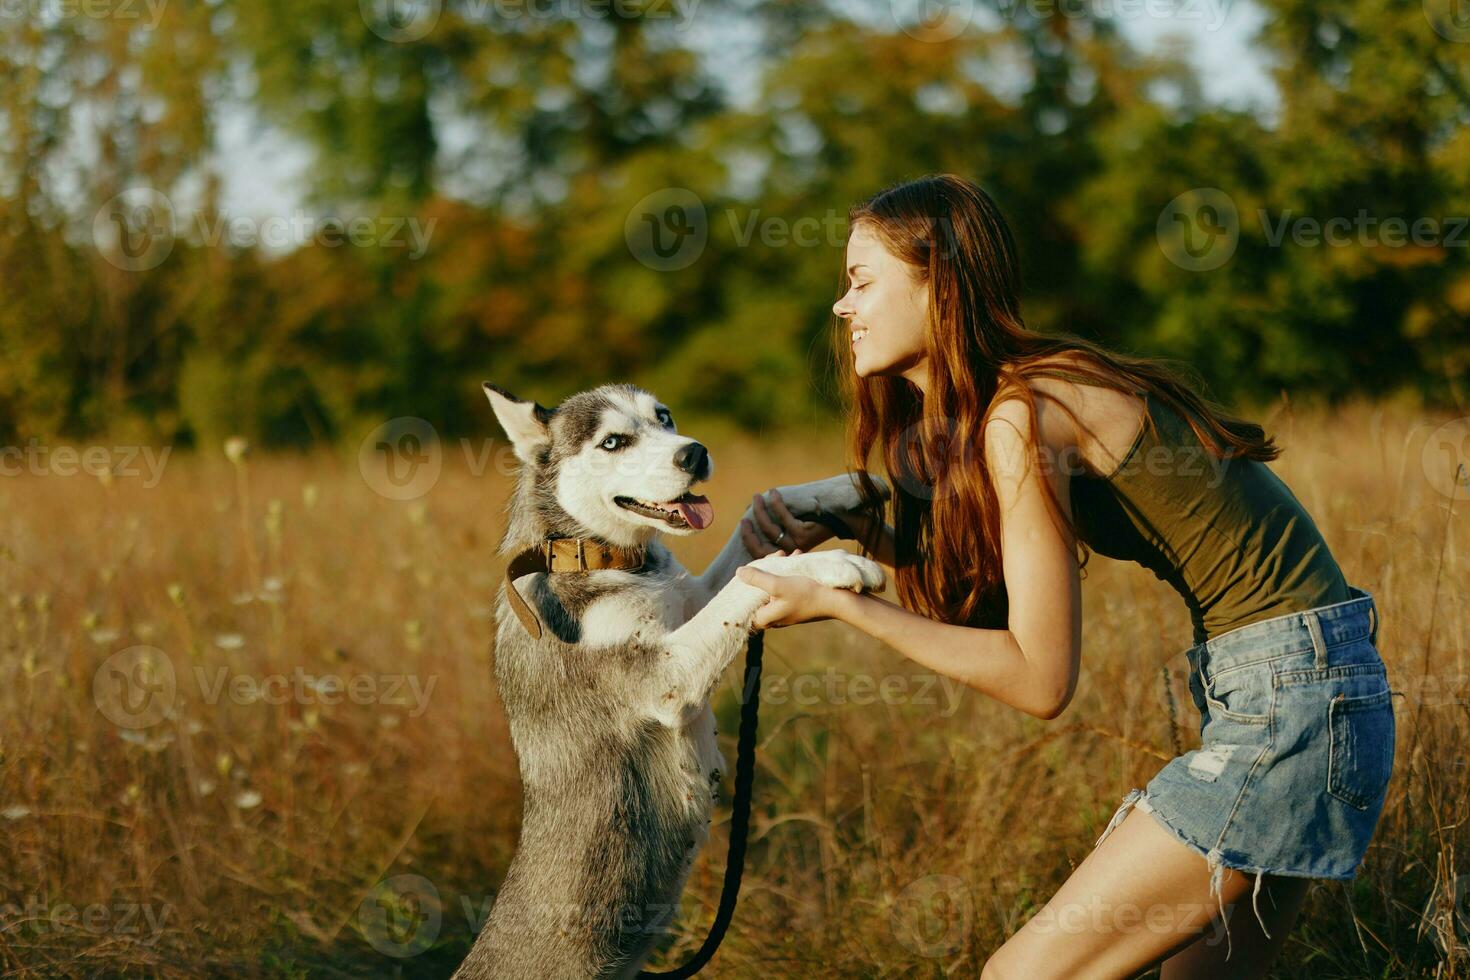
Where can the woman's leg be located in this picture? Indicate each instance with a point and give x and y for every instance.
(1279, 901)
(1140, 897)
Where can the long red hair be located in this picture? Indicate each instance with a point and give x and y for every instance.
(944, 510)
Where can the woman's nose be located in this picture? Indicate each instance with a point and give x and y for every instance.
(840, 307)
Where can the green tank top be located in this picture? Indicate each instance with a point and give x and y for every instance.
(1228, 535)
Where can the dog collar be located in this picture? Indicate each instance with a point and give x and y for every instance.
(563, 555)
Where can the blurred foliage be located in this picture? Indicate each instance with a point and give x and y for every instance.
(522, 137)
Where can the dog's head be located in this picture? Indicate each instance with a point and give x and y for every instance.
(607, 464)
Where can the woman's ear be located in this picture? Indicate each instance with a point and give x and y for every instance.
(525, 422)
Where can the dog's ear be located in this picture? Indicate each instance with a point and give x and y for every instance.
(525, 422)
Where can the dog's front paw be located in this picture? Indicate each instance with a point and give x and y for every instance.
(838, 569)
(835, 495)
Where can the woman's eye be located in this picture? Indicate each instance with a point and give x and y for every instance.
(612, 442)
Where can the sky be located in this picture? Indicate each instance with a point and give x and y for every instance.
(263, 168)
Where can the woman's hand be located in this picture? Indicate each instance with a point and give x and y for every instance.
(794, 598)
(773, 528)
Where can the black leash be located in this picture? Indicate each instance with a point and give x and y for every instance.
(744, 778)
(739, 814)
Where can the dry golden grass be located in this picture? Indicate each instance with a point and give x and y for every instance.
(890, 838)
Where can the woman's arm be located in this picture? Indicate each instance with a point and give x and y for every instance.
(990, 661)
(1031, 665)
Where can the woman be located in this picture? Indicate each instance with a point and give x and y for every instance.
(1010, 452)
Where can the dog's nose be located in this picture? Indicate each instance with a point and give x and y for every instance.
(693, 458)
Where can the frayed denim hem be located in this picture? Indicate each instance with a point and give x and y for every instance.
(1214, 860)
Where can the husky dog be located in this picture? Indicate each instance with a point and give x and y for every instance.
(609, 706)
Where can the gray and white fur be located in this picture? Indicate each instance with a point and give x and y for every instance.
(609, 710)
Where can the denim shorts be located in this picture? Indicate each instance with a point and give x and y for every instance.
(1297, 746)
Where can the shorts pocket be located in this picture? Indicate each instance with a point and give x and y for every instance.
(1243, 694)
(1362, 737)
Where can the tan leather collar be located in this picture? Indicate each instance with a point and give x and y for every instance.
(562, 555)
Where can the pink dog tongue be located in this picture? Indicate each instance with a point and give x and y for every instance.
(696, 510)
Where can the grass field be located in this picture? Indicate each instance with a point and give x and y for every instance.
(248, 726)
